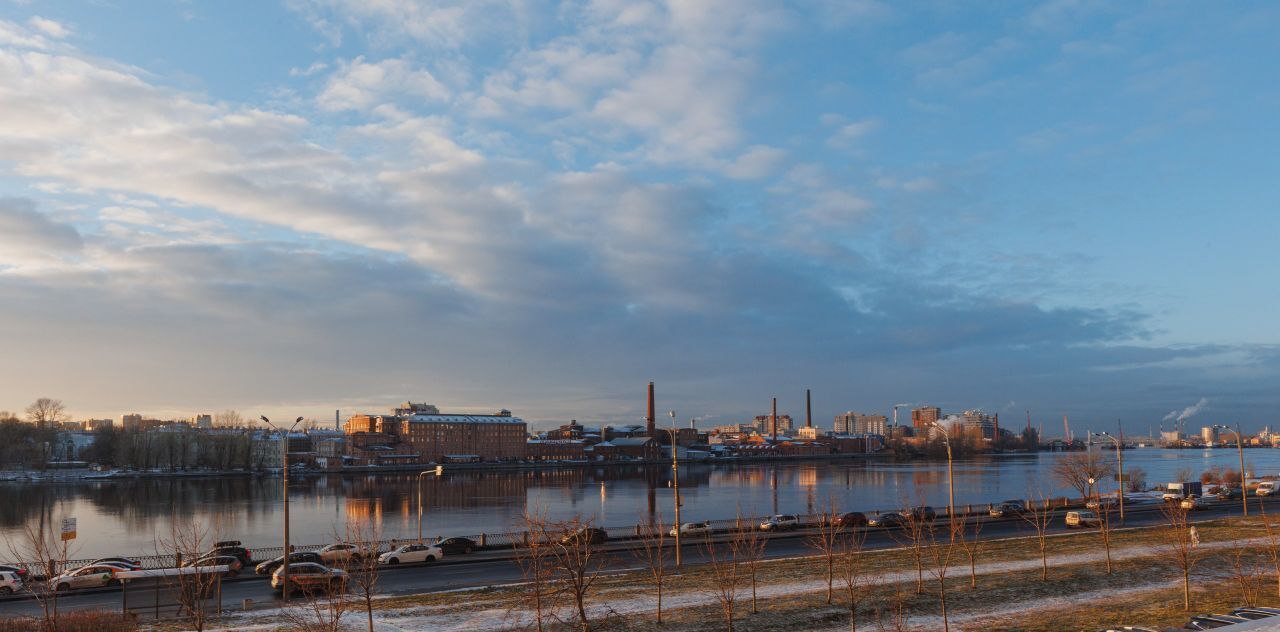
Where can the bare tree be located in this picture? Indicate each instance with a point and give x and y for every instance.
(912, 534)
(1038, 515)
(228, 419)
(578, 559)
(320, 610)
(1244, 573)
(536, 564)
(894, 614)
(46, 412)
(826, 540)
(362, 566)
(652, 552)
(191, 586)
(722, 564)
(852, 571)
(941, 554)
(39, 549)
(1273, 543)
(1104, 526)
(1081, 470)
(750, 543)
(1135, 479)
(1181, 541)
(967, 537)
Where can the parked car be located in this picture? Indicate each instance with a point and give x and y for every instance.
(1008, 508)
(593, 535)
(923, 512)
(889, 519)
(1082, 519)
(1266, 488)
(1256, 612)
(1191, 503)
(10, 583)
(309, 577)
(458, 546)
(1106, 501)
(340, 552)
(92, 576)
(407, 553)
(692, 528)
(232, 563)
(122, 562)
(268, 567)
(233, 548)
(780, 522)
(1227, 493)
(852, 519)
(17, 570)
(1212, 621)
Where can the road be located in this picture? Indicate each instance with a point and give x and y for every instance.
(491, 568)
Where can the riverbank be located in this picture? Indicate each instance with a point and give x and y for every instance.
(1004, 591)
(57, 476)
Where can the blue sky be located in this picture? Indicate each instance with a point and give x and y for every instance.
(1065, 206)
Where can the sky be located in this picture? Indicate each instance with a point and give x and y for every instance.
(290, 208)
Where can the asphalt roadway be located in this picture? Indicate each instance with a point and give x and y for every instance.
(491, 568)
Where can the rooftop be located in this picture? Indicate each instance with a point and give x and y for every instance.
(466, 419)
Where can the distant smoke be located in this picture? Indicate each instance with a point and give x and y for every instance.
(1188, 412)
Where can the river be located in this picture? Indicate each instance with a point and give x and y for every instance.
(128, 516)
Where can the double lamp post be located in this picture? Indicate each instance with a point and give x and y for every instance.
(284, 486)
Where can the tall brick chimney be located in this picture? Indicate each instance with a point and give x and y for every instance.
(649, 418)
(808, 410)
(773, 420)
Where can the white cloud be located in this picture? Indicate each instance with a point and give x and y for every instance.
(360, 85)
(850, 133)
(757, 162)
(49, 27)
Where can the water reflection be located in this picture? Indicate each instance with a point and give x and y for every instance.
(127, 516)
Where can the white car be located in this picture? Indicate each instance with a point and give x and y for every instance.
(10, 583)
(411, 553)
(780, 522)
(693, 528)
(93, 576)
(340, 552)
(1266, 488)
(1194, 502)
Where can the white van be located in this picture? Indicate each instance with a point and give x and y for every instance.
(1266, 488)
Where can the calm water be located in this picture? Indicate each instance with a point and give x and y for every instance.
(125, 517)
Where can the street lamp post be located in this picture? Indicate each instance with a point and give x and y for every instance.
(1120, 460)
(438, 471)
(675, 480)
(284, 486)
(1244, 488)
(951, 489)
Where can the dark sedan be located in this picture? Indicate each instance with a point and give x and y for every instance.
(592, 535)
(852, 519)
(888, 520)
(458, 546)
(297, 557)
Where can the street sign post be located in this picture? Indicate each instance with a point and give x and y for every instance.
(68, 529)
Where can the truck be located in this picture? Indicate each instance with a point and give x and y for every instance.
(1179, 491)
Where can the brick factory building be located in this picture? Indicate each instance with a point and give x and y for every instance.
(433, 437)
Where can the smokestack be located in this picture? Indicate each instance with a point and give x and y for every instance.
(808, 410)
(1066, 428)
(337, 419)
(650, 419)
(773, 420)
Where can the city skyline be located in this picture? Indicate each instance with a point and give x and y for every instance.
(289, 208)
